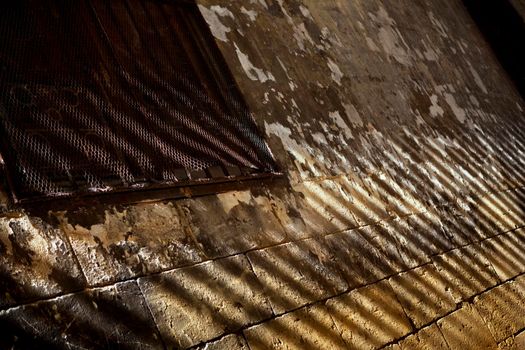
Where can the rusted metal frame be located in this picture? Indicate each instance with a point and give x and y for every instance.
(183, 190)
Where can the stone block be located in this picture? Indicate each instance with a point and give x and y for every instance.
(115, 317)
(300, 216)
(461, 229)
(367, 204)
(427, 228)
(308, 328)
(36, 261)
(392, 347)
(369, 317)
(513, 343)
(229, 342)
(296, 274)
(232, 222)
(466, 271)
(329, 202)
(423, 293)
(359, 262)
(429, 338)
(503, 310)
(506, 253)
(464, 329)
(195, 304)
(136, 240)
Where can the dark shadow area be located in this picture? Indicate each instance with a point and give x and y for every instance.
(504, 29)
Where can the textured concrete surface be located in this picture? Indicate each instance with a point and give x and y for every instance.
(398, 223)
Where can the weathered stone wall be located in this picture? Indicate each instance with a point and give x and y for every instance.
(399, 223)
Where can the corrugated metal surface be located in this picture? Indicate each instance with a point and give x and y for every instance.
(101, 95)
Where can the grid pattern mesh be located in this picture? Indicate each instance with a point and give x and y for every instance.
(110, 94)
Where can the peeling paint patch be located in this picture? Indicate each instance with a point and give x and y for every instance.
(372, 45)
(261, 2)
(319, 138)
(477, 79)
(459, 112)
(353, 115)
(337, 75)
(301, 152)
(435, 109)
(211, 16)
(230, 200)
(336, 118)
(252, 15)
(306, 13)
(390, 38)
(251, 71)
(430, 54)
(442, 30)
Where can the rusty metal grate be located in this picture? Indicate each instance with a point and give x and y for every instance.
(110, 95)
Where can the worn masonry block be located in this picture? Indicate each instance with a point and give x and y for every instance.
(503, 310)
(113, 317)
(495, 209)
(429, 227)
(298, 216)
(369, 317)
(394, 240)
(506, 253)
(520, 283)
(233, 222)
(195, 304)
(295, 274)
(423, 293)
(516, 207)
(387, 243)
(460, 229)
(330, 202)
(357, 259)
(415, 247)
(513, 343)
(466, 271)
(137, 240)
(36, 261)
(429, 338)
(483, 223)
(392, 347)
(229, 342)
(464, 329)
(367, 205)
(308, 328)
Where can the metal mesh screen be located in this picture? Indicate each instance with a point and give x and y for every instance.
(100, 95)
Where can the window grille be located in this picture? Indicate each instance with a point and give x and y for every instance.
(118, 95)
